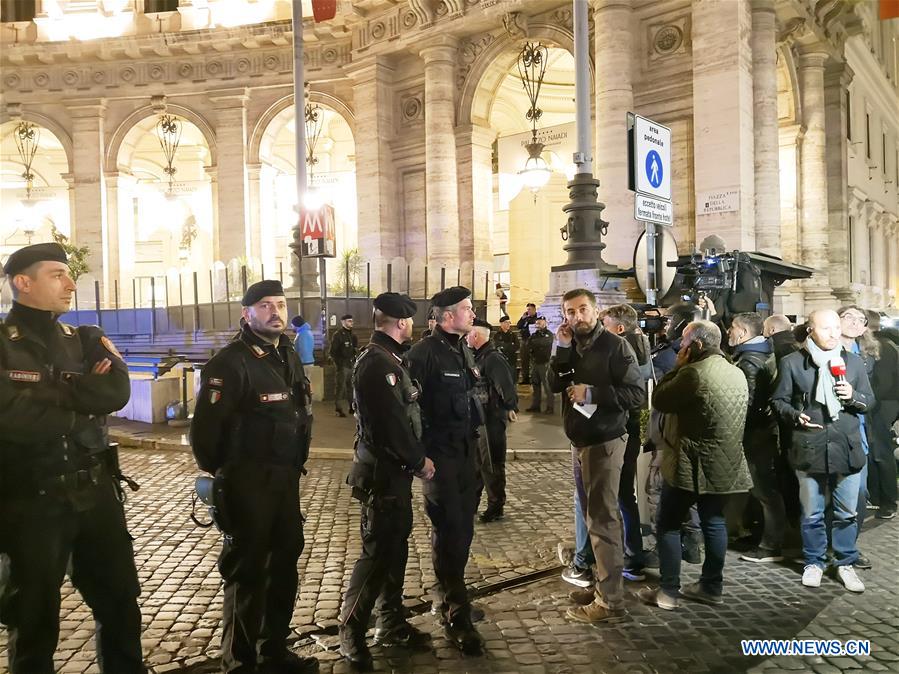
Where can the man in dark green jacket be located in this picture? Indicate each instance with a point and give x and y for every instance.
(601, 381)
(706, 398)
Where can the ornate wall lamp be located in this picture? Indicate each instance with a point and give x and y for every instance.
(168, 132)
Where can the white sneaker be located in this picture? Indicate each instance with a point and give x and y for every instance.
(849, 578)
(811, 577)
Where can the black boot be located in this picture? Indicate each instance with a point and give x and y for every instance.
(354, 649)
(491, 514)
(461, 633)
(403, 635)
(288, 662)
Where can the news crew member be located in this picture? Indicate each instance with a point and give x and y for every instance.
(820, 391)
(592, 366)
(251, 428)
(59, 511)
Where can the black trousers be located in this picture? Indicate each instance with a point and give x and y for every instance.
(377, 579)
(259, 561)
(881, 462)
(495, 477)
(49, 536)
(451, 500)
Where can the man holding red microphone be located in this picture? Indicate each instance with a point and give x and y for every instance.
(821, 390)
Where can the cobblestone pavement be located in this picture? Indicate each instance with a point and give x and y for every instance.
(525, 626)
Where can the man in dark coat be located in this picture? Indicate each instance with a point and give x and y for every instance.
(388, 453)
(499, 398)
(601, 381)
(826, 450)
(507, 343)
(344, 345)
(754, 355)
(251, 429)
(59, 506)
(881, 462)
(444, 366)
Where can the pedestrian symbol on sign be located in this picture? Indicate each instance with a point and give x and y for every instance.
(654, 168)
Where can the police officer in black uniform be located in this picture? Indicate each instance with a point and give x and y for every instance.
(499, 396)
(445, 367)
(344, 345)
(539, 348)
(388, 453)
(59, 498)
(251, 429)
(506, 342)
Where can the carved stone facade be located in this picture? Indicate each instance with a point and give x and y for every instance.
(755, 93)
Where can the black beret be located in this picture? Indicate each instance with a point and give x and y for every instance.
(450, 296)
(481, 323)
(261, 289)
(540, 318)
(503, 319)
(395, 305)
(346, 317)
(38, 252)
(298, 321)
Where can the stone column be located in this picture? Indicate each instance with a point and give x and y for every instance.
(232, 195)
(474, 146)
(254, 213)
(376, 190)
(723, 138)
(814, 239)
(836, 82)
(441, 187)
(113, 248)
(764, 111)
(89, 226)
(614, 97)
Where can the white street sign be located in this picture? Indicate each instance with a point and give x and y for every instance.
(648, 209)
(652, 158)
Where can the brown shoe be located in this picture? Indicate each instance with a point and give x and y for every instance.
(582, 597)
(596, 613)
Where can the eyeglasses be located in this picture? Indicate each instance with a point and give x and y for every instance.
(852, 318)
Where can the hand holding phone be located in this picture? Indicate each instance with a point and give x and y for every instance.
(564, 334)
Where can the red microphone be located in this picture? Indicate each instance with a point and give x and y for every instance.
(838, 369)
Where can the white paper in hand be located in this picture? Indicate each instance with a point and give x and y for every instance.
(586, 409)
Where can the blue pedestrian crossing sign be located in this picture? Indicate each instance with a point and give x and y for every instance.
(652, 158)
(654, 170)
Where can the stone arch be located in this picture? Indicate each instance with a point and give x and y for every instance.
(57, 129)
(259, 129)
(110, 163)
(492, 64)
(792, 104)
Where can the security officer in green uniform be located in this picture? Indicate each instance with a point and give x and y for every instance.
(251, 429)
(445, 367)
(388, 453)
(59, 498)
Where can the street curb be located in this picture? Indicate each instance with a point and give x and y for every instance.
(333, 453)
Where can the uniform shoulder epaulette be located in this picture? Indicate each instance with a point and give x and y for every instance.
(11, 331)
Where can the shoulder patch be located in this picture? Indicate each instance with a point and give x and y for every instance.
(214, 396)
(109, 346)
(391, 379)
(213, 381)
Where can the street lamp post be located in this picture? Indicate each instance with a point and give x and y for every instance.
(585, 227)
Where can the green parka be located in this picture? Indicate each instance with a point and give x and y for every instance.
(709, 398)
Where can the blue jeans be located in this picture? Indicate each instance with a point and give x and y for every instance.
(837, 494)
(861, 506)
(674, 505)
